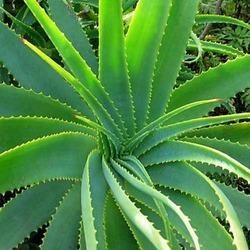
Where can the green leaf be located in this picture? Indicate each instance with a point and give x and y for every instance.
(223, 82)
(94, 190)
(234, 132)
(240, 202)
(118, 235)
(217, 48)
(113, 71)
(160, 197)
(30, 128)
(211, 18)
(66, 19)
(29, 210)
(158, 122)
(35, 36)
(100, 112)
(227, 208)
(132, 212)
(65, 154)
(143, 41)
(178, 151)
(168, 175)
(211, 234)
(171, 54)
(72, 58)
(43, 78)
(66, 220)
(29, 103)
(235, 150)
(176, 129)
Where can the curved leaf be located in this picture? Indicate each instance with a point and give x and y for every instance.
(93, 194)
(179, 151)
(64, 16)
(29, 210)
(223, 82)
(65, 154)
(66, 220)
(30, 128)
(28, 103)
(43, 78)
(132, 212)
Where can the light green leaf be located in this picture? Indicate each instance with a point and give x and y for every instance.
(171, 54)
(118, 235)
(237, 132)
(160, 197)
(94, 191)
(211, 18)
(66, 19)
(143, 41)
(132, 212)
(223, 82)
(113, 71)
(173, 130)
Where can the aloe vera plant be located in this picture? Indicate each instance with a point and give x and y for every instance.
(108, 153)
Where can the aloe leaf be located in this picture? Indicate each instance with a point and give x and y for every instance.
(178, 151)
(177, 129)
(100, 112)
(142, 51)
(113, 71)
(235, 150)
(157, 195)
(33, 34)
(240, 202)
(118, 235)
(235, 227)
(43, 78)
(72, 58)
(223, 82)
(211, 18)
(68, 226)
(29, 210)
(217, 48)
(66, 19)
(94, 191)
(132, 212)
(158, 122)
(134, 166)
(234, 132)
(156, 219)
(70, 55)
(29, 103)
(171, 54)
(30, 128)
(65, 153)
(207, 227)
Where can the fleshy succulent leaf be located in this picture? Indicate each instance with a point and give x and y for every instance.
(142, 51)
(68, 226)
(65, 158)
(18, 220)
(171, 54)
